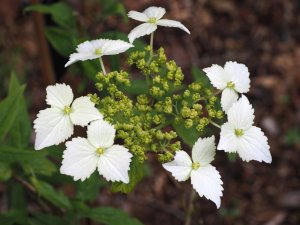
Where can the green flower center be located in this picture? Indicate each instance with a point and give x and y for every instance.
(231, 85)
(152, 20)
(100, 151)
(238, 132)
(67, 110)
(195, 165)
(98, 51)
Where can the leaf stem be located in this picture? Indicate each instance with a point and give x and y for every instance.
(188, 217)
(151, 48)
(102, 66)
(215, 124)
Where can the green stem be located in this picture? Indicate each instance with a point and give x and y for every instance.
(151, 48)
(215, 124)
(162, 125)
(217, 92)
(188, 217)
(102, 66)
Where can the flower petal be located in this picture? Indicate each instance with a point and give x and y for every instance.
(101, 134)
(59, 95)
(114, 164)
(204, 150)
(52, 127)
(228, 141)
(84, 111)
(141, 30)
(207, 182)
(113, 47)
(240, 76)
(254, 145)
(138, 16)
(217, 76)
(155, 12)
(229, 96)
(180, 167)
(241, 114)
(172, 23)
(79, 159)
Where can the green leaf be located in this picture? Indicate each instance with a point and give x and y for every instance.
(46, 219)
(5, 172)
(16, 197)
(12, 217)
(136, 173)
(136, 87)
(113, 7)
(89, 189)
(57, 198)
(60, 12)
(20, 132)
(63, 41)
(188, 135)
(28, 159)
(108, 216)
(200, 76)
(10, 106)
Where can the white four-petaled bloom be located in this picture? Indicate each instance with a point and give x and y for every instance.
(232, 79)
(239, 135)
(205, 179)
(83, 156)
(56, 124)
(151, 18)
(97, 48)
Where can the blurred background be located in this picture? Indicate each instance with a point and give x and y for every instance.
(264, 35)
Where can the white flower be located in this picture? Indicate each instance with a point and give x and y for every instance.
(205, 179)
(232, 79)
(238, 134)
(83, 156)
(151, 18)
(98, 48)
(56, 124)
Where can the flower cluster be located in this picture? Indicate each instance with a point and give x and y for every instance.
(154, 119)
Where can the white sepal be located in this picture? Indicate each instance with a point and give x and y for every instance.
(172, 23)
(101, 134)
(229, 96)
(52, 127)
(114, 164)
(207, 182)
(83, 111)
(180, 167)
(141, 30)
(204, 151)
(59, 95)
(79, 159)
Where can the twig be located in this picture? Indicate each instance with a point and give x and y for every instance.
(215, 124)
(25, 184)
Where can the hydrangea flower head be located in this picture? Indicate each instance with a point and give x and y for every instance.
(205, 179)
(239, 135)
(56, 124)
(151, 18)
(232, 79)
(83, 156)
(97, 48)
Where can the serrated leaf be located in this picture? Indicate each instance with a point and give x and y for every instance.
(9, 107)
(60, 12)
(89, 189)
(188, 135)
(136, 173)
(45, 190)
(28, 159)
(63, 41)
(108, 216)
(5, 172)
(200, 76)
(136, 87)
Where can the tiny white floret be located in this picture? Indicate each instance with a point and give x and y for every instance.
(232, 79)
(84, 155)
(205, 179)
(97, 48)
(239, 135)
(151, 18)
(56, 124)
